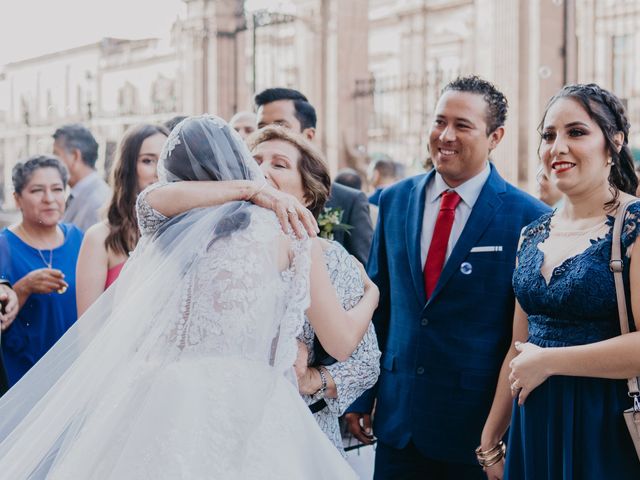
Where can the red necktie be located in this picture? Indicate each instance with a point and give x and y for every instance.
(440, 240)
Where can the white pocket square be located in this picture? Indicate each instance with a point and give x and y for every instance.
(496, 248)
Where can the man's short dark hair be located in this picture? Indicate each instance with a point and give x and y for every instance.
(497, 104)
(386, 167)
(75, 136)
(305, 113)
(349, 178)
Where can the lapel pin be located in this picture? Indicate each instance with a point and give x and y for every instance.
(466, 268)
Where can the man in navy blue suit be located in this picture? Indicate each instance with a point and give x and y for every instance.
(443, 255)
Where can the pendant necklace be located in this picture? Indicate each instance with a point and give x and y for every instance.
(48, 264)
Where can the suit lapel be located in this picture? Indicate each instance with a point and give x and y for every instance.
(413, 231)
(481, 216)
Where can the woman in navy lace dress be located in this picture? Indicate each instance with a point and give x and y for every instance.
(568, 378)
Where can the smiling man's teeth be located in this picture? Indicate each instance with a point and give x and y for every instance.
(447, 152)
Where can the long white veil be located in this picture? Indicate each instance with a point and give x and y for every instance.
(128, 326)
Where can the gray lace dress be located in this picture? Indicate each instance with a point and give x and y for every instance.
(353, 376)
(360, 371)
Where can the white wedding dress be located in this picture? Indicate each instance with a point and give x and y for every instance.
(182, 370)
(205, 397)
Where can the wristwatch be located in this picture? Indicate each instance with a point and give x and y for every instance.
(323, 388)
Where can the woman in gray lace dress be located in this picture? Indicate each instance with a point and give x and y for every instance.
(296, 175)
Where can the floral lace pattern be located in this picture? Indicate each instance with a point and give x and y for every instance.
(170, 144)
(149, 220)
(296, 303)
(237, 303)
(578, 305)
(360, 372)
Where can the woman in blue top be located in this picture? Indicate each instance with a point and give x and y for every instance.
(38, 256)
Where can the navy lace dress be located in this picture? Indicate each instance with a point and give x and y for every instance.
(571, 427)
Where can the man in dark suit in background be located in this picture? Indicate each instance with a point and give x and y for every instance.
(291, 109)
(349, 178)
(443, 255)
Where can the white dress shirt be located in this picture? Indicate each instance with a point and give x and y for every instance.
(469, 192)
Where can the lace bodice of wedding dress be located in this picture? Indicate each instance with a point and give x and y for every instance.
(238, 303)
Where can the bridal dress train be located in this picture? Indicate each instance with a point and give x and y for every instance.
(183, 368)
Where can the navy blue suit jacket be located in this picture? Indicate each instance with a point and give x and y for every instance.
(441, 358)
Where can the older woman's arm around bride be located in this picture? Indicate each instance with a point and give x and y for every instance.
(339, 331)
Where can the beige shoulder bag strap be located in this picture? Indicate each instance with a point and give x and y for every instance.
(632, 415)
(616, 265)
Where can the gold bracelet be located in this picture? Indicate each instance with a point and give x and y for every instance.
(490, 464)
(483, 453)
(489, 458)
(492, 456)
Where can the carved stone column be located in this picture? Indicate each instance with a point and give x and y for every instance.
(521, 48)
(206, 41)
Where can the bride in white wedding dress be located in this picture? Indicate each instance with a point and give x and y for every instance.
(183, 369)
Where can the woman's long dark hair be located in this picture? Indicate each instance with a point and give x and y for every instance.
(608, 112)
(121, 212)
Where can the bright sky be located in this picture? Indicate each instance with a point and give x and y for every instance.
(29, 28)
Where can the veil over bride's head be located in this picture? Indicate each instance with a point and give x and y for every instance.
(206, 148)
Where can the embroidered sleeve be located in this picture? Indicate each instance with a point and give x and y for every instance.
(359, 373)
(361, 370)
(149, 219)
(631, 228)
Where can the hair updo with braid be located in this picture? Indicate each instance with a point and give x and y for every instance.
(608, 112)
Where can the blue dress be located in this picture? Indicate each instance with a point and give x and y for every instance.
(571, 427)
(44, 318)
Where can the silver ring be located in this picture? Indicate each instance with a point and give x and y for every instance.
(291, 210)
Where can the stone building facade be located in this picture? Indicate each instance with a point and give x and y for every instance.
(107, 86)
(373, 69)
